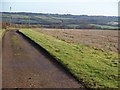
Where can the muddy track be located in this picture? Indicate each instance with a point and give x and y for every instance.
(24, 65)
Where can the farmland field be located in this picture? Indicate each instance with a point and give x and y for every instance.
(102, 39)
(62, 21)
(59, 44)
(83, 53)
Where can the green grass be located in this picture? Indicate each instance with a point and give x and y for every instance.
(15, 16)
(61, 18)
(15, 40)
(96, 68)
(48, 19)
(2, 31)
(105, 26)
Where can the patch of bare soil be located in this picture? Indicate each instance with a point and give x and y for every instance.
(101, 39)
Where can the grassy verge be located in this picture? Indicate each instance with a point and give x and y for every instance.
(96, 68)
(2, 31)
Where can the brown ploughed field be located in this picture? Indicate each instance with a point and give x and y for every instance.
(102, 39)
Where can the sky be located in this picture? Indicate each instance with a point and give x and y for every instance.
(75, 7)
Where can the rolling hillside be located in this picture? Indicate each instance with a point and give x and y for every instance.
(62, 21)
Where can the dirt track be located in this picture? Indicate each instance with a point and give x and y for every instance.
(24, 66)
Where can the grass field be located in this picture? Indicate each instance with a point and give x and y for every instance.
(94, 67)
(105, 26)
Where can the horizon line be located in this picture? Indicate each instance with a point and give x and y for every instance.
(56, 13)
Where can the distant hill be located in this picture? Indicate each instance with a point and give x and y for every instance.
(62, 20)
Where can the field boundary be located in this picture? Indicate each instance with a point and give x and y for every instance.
(52, 58)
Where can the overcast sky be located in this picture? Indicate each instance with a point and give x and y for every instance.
(76, 7)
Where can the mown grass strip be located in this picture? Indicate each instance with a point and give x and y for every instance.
(93, 66)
